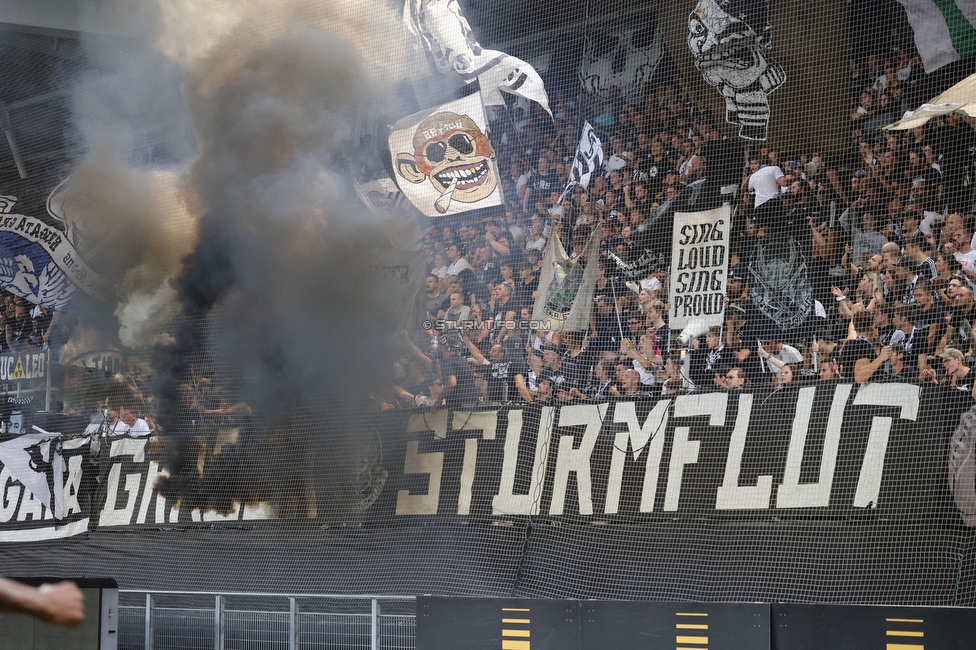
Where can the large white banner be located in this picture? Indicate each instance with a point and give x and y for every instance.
(443, 160)
(699, 266)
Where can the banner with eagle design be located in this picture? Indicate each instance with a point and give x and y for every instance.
(39, 262)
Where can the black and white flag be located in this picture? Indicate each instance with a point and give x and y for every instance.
(35, 460)
(381, 196)
(589, 158)
(447, 39)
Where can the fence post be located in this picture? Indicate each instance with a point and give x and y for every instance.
(219, 623)
(292, 624)
(375, 625)
(149, 622)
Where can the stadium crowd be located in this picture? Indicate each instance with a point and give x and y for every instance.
(886, 229)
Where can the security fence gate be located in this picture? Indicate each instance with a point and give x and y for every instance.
(178, 620)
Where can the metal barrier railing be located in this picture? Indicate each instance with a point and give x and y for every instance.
(255, 620)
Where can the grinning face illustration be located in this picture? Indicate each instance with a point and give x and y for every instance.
(726, 48)
(450, 148)
(731, 41)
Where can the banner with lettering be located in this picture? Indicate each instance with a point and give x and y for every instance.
(47, 482)
(824, 450)
(699, 266)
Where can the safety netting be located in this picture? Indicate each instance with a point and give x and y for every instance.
(506, 297)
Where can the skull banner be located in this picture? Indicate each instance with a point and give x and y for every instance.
(443, 160)
(731, 42)
(780, 283)
(621, 51)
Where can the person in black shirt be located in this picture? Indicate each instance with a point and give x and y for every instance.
(541, 184)
(497, 365)
(911, 339)
(458, 388)
(960, 317)
(18, 328)
(708, 362)
(930, 314)
(859, 359)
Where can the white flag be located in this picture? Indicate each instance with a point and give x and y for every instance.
(443, 159)
(446, 37)
(564, 299)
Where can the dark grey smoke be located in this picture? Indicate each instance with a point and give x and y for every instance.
(282, 293)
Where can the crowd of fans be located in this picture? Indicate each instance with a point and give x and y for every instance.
(886, 228)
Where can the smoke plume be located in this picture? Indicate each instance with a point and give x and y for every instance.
(247, 262)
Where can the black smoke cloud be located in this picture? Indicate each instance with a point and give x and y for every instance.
(253, 268)
(283, 294)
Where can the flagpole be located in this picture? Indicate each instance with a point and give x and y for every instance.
(616, 309)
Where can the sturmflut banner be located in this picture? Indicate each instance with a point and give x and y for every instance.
(699, 266)
(830, 449)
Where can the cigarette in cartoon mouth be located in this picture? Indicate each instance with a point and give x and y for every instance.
(443, 202)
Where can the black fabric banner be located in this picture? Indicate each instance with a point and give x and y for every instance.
(825, 492)
(823, 450)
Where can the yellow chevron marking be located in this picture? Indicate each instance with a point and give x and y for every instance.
(904, 620)
(698, 640)
(508, 644)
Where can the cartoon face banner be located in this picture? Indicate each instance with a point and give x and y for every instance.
(731, 40)
(443, 159)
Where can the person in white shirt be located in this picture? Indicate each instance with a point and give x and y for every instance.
(458, 263)
(965, 255)
(765, 182)
(137, 427)
(116, 425)
(774, 351)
